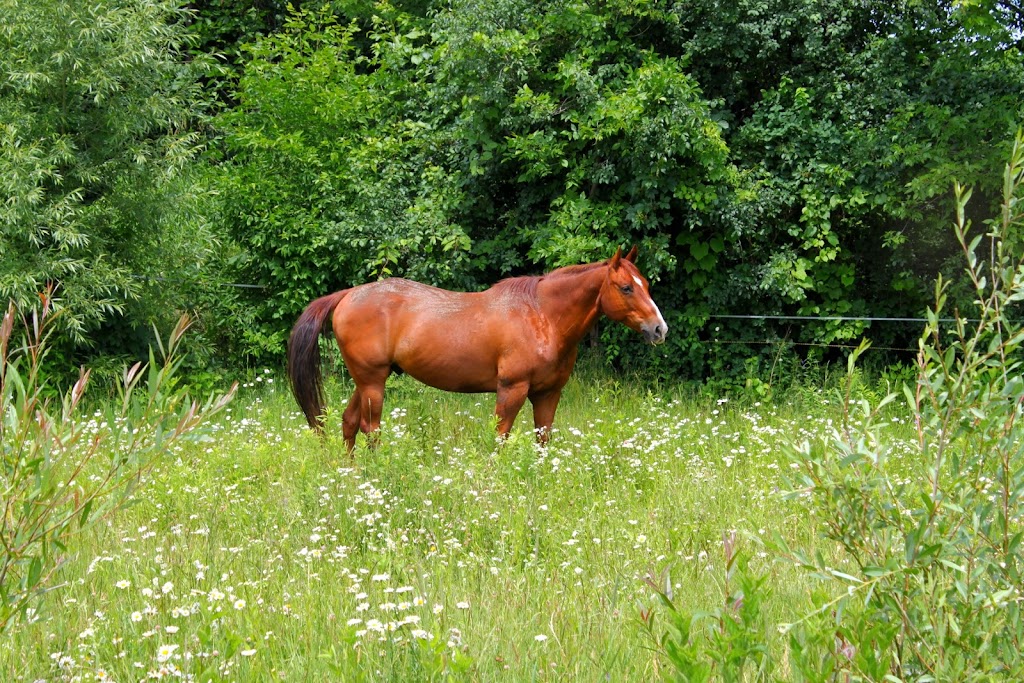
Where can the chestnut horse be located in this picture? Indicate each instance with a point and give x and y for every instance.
(518, 339)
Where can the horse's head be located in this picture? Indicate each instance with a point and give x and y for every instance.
(626, 298)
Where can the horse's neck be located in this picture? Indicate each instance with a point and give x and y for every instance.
(570, 302)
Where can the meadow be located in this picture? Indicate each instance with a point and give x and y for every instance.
(264, 554)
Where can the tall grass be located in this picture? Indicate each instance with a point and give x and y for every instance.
(268, 555)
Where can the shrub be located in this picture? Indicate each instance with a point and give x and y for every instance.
(930, 538)
(60, 473)
(927, 534)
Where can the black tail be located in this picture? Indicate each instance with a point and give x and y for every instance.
(304, 357)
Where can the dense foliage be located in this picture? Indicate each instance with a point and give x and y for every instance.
(925, 582)
(99, 112)
(770, 157)
(774, 158)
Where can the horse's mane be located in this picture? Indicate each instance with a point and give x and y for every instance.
(525, 286)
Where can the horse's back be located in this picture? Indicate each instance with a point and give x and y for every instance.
(450, 340)
(398, 296)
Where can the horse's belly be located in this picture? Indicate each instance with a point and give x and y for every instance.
(449, 365)
(452, 377)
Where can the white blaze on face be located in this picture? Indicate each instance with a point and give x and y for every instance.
(661, 321)
(657, 311)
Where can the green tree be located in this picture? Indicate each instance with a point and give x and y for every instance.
(849, 121)
(223, 26)
(577, 133)
(769, 156)
(99, 106)
(329, 179)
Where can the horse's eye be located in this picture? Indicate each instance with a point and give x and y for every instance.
(626, 289)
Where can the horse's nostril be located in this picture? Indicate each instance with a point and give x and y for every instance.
(657, 329)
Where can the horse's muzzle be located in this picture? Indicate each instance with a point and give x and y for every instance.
(655, 332)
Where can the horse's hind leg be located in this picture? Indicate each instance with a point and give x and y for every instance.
(350, 421)
(371, 404)
(368, 399)
(363, 414)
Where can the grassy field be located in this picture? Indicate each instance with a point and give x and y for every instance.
(265, 555)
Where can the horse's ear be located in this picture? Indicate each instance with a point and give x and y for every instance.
(631, 256)
(614, 260)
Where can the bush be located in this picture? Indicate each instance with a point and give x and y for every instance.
(928, 533)
(61, 474)
(931, 539)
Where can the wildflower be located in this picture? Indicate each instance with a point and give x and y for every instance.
(123, 583)
(239, 603)
(248, 653)
(165, 652)
(462, 605)
(540, 637)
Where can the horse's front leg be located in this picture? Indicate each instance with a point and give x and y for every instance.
(511, 397)
(544, 406)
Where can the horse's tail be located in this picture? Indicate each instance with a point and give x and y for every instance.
(304, 356)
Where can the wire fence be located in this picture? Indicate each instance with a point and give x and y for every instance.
(722, 316)
(786, 342)
(842, 318)
(823, 318)
(176, 281)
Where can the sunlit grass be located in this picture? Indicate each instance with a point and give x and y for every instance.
(266, 554)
